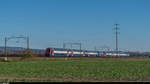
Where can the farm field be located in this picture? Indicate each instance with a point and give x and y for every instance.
(76, 70)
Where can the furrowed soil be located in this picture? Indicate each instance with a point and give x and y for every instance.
(75, 70)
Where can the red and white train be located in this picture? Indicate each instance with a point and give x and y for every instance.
(60, 52)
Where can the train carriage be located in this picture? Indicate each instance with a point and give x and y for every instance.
(60, 52)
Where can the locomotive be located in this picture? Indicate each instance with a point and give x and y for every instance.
(61, 52)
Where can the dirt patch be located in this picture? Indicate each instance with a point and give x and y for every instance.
(22, 79)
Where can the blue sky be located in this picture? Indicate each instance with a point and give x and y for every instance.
(52, 22)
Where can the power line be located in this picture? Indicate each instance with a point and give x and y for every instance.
(15, 37)
(71, 44)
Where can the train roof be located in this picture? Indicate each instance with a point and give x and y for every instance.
(116, 52)
(63, 49)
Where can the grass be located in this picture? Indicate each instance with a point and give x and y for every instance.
(76, 70)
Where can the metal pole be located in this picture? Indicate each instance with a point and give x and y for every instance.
(95, 48)
(71, 45)
(27, 43)
(116, 29)
(5, 48)
(64, 45)
(80, 49)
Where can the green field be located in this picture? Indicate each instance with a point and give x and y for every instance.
(76, 70)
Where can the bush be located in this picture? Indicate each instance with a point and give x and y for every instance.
(28, 54)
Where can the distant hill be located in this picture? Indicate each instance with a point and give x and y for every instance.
(18, 49)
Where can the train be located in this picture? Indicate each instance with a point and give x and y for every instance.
(61, 52)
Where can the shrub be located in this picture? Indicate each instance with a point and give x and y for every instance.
(28, 54)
